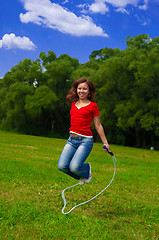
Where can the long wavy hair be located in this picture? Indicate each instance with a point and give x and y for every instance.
(72, 95)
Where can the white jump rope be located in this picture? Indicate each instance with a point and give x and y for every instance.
(63, 196)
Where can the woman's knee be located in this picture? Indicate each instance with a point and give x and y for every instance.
(61, 166)
(74, 168)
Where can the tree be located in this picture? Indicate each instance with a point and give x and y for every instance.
(40, 106)
(105, 53)
(47, 59)
(112, 85)
(140, 112)
(87, 69)
(139, 42)
(33, 93)
(59, 73)
(13, 115)
(18, 83)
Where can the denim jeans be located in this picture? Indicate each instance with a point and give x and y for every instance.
(74, 155)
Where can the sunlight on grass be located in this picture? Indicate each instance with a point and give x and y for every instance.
(31, 187)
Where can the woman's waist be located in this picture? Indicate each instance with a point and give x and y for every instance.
(76, 134)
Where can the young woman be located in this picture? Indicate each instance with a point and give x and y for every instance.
(80, 143)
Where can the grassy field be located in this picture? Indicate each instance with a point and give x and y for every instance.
(31, 187)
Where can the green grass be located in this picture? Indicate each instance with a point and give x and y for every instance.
(31, 187)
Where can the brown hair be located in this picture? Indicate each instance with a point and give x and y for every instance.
(72, 95)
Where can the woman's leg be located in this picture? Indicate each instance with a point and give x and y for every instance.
(66, 157)
(77, 165)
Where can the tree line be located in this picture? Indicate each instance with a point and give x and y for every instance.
(32, 93)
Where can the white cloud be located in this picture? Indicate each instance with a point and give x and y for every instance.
(10, 41)
(84, 7)
(54, 16)
(142, 20)
(145, 6)
(101, 6)
(65, 1)
(122, 10)
(122, 3)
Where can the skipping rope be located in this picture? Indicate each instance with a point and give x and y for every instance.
(63, 196)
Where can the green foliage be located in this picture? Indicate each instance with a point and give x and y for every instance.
(44, 99)
(139, 42)
(105, 53)
(12, 107)
(47, 59)
(87, 69)
(140, 110)
(33, 93)
(128, 86)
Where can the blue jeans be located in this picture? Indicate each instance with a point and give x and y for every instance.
(74, 155)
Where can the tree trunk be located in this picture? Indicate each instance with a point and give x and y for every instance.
(152, 138)
(143, 138)
(138, 142)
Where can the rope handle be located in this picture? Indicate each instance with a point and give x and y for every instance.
(108, 151)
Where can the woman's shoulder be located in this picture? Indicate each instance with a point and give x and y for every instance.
(95, 109)
(94, 104)
(73, 103)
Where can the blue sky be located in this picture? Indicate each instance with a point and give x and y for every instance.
(77, 28)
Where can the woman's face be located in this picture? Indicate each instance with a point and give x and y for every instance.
(83, 91)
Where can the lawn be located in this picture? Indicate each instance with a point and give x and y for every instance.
(31, 186)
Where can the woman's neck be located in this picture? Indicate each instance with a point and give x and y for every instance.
(83, 101)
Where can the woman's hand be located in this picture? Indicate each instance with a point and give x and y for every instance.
(107, 146)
